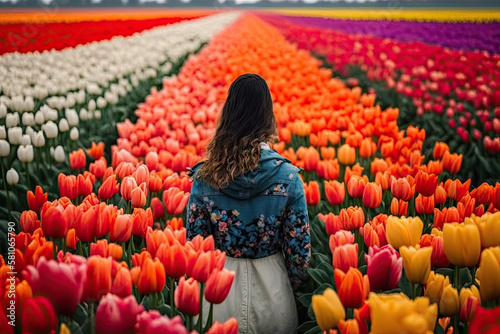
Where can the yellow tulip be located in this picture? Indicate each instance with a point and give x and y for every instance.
(450, 303)
(417, 263)
(436, 232)
(489, 229)
(489, 274)
(468, 292)
(462, 244)
(403, 231)
(328, 309)
(396, 313)
(435, 286)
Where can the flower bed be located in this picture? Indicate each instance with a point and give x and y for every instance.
(397, 244)
(440, 86)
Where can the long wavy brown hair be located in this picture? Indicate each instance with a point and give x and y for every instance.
(247, 119)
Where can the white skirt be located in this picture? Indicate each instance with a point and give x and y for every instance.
(261, 297)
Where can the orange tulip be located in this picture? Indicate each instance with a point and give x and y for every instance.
(68, 186)
(96, 151)
(187, 296)
(482, 193)
(350, 326)
(327, 153)
(367, 148)
(98, 168)
(141, 174)
(77, 159)
(229, 327)
(340, 238)
(54, 222)
(152, 277)
(372, 195)
(356, 186)
(345, 257)
(382, 179)
(425, 184)
(440, 195)
(218, 285)
(138, 196)
(346, 155)
(399, 207)
(155, 183)
(328, 169)
(311, 159)
(440, 149)
(122, 283)
(175, 200)
(401, 189)
(36, 200)
(86, 223)
(456, 190)
(98, 282)
(71, 239)
(452, 162)
(108, 188)
(335, 192)
(29, 221)
(378, 166)
(126, 186)
(174, 259)
(312, 193)
(434, 167)
(424, 204)
(200, 265)
(333, 224)
(352, 218)
(352, 287)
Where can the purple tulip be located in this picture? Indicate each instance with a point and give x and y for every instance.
(384, 267)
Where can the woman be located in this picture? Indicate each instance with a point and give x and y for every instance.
(251, 200)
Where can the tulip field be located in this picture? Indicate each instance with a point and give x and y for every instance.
(395, 123)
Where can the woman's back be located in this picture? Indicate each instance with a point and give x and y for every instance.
(260, 220)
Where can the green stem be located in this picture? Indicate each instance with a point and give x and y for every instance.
(413, 290)
(189, 322)
(349, 313)
(54, 250)
(4, 180)
(80, 250)
(155, 301)
(26, 167)
(92, 317)
(172, 304)
(200, 318)
(210, 319)
(457, 278)
(456, 323)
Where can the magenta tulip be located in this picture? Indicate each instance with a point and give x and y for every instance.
(153, 322)
(117, 315)
(384, 266)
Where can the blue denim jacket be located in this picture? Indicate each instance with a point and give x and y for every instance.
(260, 213)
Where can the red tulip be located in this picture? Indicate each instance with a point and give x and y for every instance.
(352, 287)
(218, 285)
(333, 224)
(401, 189)
(122, 283)
(108, 188)
(200, 265)
(38, 317)
(438, 257)
(356, 186)
(84, 185)
(60, 283)
(399, 208)
(439, 150)
(142, 219)
(174, 259)
(98, 168)
(29, 221)
(117, 315)
(138, 196)
(96, 151)
(335, 192)
(54, 222)
(482, 193)
(77, 159)
(36, 200)
(86, 224)
(384, 267)
(175, 200)
(4, 322)
(71, 239)
(187, 296)
(425, 184)
(68, 186)
(424, 204)
(452, 162)
(469, 309)
(157, 207)
(345, 257)
(120, 229)
(456, 189)
(486, 321)
(312, 193)
(107, 217)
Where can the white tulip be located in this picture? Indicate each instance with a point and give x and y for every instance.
(12, 177)
(29, 131)
(12, 120)
(17, 103)
(29, 104)
(63, 125)
(74, 134)
(101, 102)
(25, 153)
(72, 117)
(51, 150)
(50, 129)
(92, 105)
(28, 119)
(70, 101)
(59, 155)
(3, 134)
(3, 111)
(26, 140)
(38, 139)
(4, 148)
(97, 114)
(80, 96)
(15, 135)
(84, 114)
(39, 118)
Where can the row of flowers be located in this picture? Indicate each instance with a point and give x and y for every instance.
(114, 226)
(24, 37)
(458, 88)
(37, 143)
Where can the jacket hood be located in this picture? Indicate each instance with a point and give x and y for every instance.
(254, 182)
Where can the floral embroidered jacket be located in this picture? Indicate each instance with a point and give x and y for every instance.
(259, 214)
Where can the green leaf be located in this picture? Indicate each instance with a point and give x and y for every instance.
(165, 309)
(307, 326)
(446, 271)
(315, 330)
(319, 275)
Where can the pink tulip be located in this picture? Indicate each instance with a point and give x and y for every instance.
(117, 315)
(60, 283)
(340, 238)
(384, 266)
(153, 322)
